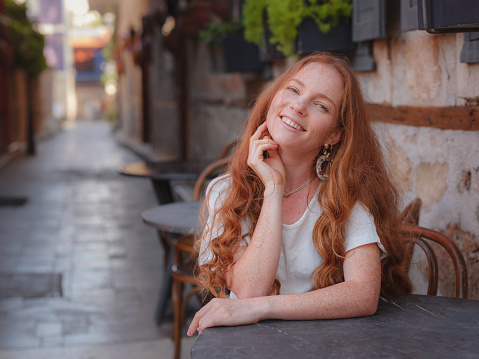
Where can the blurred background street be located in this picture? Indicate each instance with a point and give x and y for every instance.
(79, 270)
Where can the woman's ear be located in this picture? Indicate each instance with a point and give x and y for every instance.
(335, 136)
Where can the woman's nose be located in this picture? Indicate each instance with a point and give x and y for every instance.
(299, 106)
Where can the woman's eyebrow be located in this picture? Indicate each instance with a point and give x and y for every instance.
(321, 95)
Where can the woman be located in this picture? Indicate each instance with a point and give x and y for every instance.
(306, 210)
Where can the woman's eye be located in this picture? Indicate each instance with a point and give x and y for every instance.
(322, 107)
(292, 89)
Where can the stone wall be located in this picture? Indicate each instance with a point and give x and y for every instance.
(439, 166)
(218, 104)
(129, 94)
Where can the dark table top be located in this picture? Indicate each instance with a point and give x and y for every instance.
(178, 217)
(167, 170)
(411, 326)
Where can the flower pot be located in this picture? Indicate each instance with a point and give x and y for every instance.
(310, 39)
(240, 55)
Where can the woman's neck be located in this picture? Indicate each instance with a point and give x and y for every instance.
(297, 170)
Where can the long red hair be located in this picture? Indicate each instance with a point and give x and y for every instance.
(358, 174)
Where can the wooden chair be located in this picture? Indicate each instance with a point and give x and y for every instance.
(184, 263)
(410, 214)
(421, 236)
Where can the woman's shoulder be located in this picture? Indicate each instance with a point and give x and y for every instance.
(218, 185)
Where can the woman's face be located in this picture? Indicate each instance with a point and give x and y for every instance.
(303, 114)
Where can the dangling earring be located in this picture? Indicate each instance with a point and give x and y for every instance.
(325, 158)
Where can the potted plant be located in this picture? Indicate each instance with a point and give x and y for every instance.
(26, 41)
(289, 19)
(239, 55)
(257, 31)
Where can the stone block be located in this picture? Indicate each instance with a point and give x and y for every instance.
(431, 182)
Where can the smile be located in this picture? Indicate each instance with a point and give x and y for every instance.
(291, 123)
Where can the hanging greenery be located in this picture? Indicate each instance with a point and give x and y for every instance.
(215, 31)
(284, 17)
(26, 41)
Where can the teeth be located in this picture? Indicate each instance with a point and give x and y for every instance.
(291, 124)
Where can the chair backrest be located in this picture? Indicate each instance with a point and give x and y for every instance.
(420, 236)
(410, 214)
(204, 175)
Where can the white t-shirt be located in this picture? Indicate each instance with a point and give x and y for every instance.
(299, 257)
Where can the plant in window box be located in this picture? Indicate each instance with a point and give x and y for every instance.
(27, 43)
(257, 30)
(291, 21)
(325, 27)
(238, 54)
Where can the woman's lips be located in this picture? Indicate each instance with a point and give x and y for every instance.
(291, 123)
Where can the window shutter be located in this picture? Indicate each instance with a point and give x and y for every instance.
(363, 58)
(408, 15)
(369, 19)
(449, 16)
(470, 48)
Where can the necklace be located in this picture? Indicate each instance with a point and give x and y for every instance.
(287, 193)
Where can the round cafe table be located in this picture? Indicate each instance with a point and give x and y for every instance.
(409, 326)
(178, 218)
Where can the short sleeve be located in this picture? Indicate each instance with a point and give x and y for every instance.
(360, 229)
(216, 190)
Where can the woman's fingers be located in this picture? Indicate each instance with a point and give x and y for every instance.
(270, 167)
(258, 147)
(225, 312)
(196, 320)
(260, 131)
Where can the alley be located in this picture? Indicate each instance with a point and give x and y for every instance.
(79, 271)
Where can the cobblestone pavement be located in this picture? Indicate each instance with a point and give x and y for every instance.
(80, 272)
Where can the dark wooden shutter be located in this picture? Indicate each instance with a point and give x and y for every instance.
(369, 19)
(408, 15)
(449, 16)
(363, 58)
(470, 48)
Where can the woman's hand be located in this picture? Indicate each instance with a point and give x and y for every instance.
(271, 169)
(226, 312)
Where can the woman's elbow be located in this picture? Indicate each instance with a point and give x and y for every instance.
(368, 300)
(370, 307)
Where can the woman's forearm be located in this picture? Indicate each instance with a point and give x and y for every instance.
(344, 300)
(356, 296)
(254, 272)
(347, 299)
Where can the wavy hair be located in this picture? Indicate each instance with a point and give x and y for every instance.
(358, 174)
